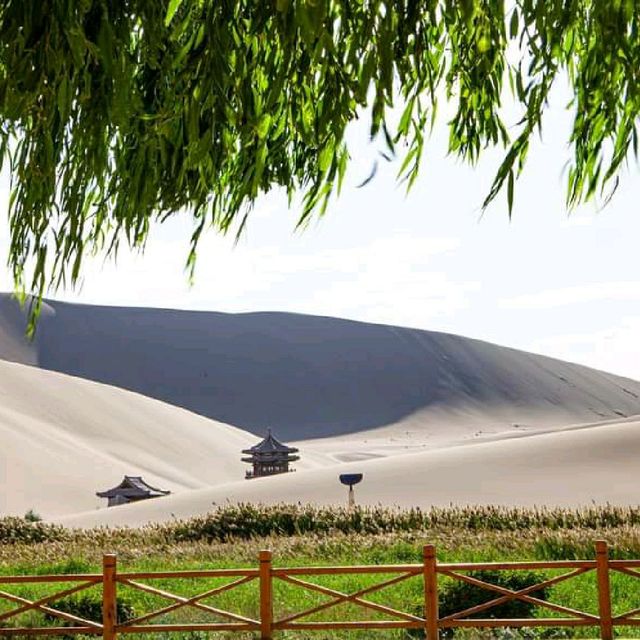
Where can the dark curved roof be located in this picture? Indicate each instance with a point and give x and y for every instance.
(133, 487)
(270, 445)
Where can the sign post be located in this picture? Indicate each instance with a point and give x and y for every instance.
(351, 479)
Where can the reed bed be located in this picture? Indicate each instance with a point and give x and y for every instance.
(248, 521)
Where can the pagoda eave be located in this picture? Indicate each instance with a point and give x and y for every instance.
(270, 459)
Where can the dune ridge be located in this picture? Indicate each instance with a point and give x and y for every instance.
(315, 377)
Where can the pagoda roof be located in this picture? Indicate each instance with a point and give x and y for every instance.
(270, 445)
(133, 487)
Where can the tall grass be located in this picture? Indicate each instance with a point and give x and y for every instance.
(248, 521)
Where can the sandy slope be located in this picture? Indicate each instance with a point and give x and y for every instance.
(349, 393)
(313, 377)
(63, 438)
(569, 467)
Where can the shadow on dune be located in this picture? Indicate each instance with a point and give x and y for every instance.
(306, 376)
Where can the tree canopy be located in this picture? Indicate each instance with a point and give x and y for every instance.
(116, 115)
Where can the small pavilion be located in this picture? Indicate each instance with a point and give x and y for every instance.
(269, 457)
(131, 489)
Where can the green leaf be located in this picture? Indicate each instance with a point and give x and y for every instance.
(405, 119)
(513, 24)
(409, 157)
(326, 157)
(263, 126)
(63, 98)
(174, 5)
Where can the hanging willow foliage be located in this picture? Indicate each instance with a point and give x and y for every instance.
(114, 115)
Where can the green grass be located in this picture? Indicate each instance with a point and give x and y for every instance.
(302, 536)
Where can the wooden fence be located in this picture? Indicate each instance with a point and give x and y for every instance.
(270, 621)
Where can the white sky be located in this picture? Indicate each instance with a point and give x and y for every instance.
(564, 286)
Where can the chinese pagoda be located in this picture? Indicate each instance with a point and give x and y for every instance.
(131, 489)
(269, 457)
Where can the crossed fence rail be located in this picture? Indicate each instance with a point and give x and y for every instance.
(270, 621)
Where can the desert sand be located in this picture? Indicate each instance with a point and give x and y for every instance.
(573, 467)
(64, 438)
(314, 377)
(430, 418)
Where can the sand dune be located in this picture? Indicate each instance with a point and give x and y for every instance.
(63, 438)
(314, 377)
(570, 467)
(351, 395)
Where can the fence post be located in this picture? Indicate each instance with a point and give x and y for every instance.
(109, 610)
(430, 593)
(266, 603)
(604, 590)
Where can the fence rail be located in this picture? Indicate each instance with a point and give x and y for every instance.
(269, 621)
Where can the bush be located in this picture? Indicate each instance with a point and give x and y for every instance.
(458, 596)
(32, 516)
(89, 607)
(15, 530)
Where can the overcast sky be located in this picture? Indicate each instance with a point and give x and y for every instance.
(564, 286)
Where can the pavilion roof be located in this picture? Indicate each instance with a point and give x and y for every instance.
(133, 487)
(269, 446)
